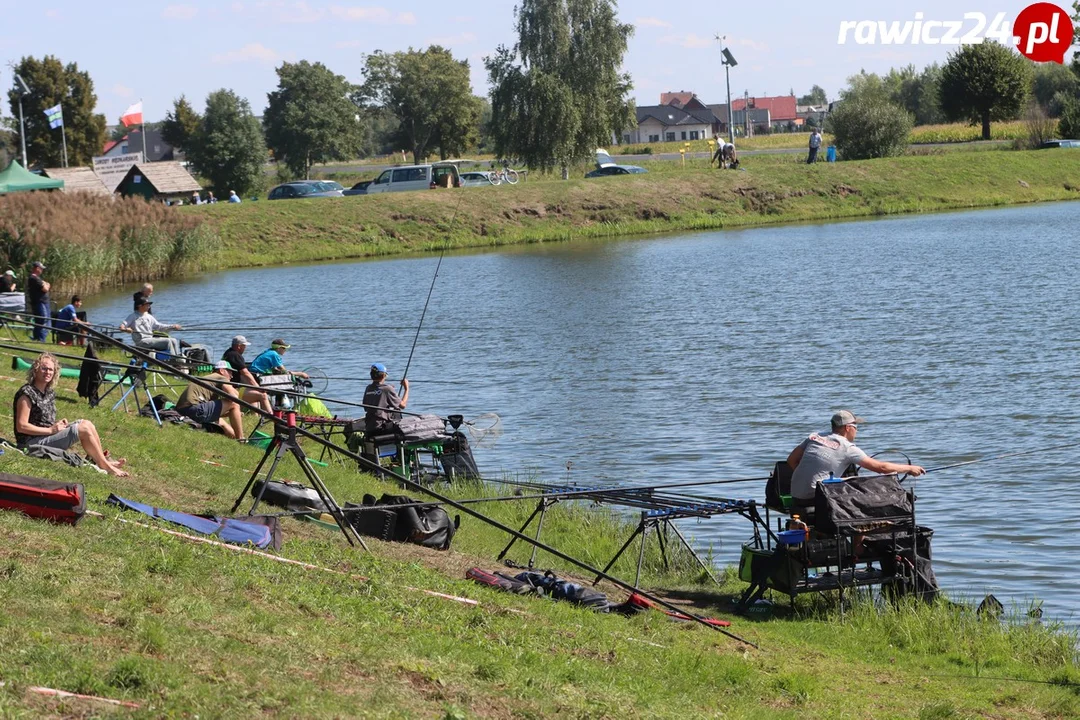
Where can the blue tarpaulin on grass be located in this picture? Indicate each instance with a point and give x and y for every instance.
(227, 530)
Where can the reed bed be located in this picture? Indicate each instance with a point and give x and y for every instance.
(88, 242)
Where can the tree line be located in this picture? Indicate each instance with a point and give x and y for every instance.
(556, 94)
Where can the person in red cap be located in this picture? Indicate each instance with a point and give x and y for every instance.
(821, 455)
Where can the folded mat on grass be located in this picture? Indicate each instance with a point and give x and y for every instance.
(260, 531)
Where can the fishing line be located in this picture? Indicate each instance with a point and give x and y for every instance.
(434, 277)
(1000, 457)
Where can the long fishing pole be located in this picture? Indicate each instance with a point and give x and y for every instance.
(1001, 457)
(431, 289)
(417, 487)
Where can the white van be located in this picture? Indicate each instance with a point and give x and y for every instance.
(416, 177)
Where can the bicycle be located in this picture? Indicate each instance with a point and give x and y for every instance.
(507, 175)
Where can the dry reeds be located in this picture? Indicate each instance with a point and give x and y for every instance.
(89, 241)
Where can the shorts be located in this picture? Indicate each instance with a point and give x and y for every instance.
(207, 413)
(61, 440)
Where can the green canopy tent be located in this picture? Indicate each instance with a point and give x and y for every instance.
(18, 179)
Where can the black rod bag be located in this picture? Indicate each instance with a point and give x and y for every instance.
(426, 525)
(289, 496)
(43, 499)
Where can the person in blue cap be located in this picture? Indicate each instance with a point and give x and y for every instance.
(382, 402)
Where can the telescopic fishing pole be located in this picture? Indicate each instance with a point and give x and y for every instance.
(369, 465)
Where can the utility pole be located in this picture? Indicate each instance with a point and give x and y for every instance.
(729, 62)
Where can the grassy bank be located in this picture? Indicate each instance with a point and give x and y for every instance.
(112, 609)
(669, 198)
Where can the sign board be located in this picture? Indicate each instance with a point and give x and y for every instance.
(112, 170)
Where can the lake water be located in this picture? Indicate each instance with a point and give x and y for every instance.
(710, 355)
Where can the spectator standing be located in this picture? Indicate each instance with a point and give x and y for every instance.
(233, 197)
(815, 144)
(37, 296)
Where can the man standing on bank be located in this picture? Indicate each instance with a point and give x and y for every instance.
(819, 456)
(37, 296)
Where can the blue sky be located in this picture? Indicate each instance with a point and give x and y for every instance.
(158, 51)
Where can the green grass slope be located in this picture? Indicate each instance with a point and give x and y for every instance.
(112, 609)
(669, 198)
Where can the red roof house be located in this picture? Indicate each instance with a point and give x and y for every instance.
(781, 108)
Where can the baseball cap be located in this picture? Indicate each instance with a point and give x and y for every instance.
(378, 367)
(143, 301)
(240, 340)
(10, 272)
(278, 342)
(846, 417)
(38, 264)
(222, 365)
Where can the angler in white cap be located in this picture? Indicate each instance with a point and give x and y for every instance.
(207, 408)
(240, 374)
(821, 455)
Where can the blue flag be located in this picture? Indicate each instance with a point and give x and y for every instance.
(55, 115)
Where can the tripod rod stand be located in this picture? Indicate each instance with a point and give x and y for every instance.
(285, 441)
(136, 374)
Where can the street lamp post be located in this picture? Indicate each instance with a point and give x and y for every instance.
(729, 62)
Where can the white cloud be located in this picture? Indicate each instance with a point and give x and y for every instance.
(52, 14)
(179, 12)
(652, 22)
(687, 41)
(345, 44)
(252, 52)
(122, 91)
(373, 15)
(803, 62)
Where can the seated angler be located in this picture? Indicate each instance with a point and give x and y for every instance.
(820, 456)
(142, 325)
(382, 403)
(207, 408)
(235, 357)
(36, 423)
(271, 362)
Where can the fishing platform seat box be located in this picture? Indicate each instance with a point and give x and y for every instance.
(44, 499)
(863, 505)
(778, 488)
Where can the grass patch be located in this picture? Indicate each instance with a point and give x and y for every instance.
(112, 609)
(774, 189)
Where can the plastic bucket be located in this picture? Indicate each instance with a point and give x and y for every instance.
(830, 153)
(791, 537)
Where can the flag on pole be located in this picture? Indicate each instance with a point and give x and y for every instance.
(55, 115)
(133, 115)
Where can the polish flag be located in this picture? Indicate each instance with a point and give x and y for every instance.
(133, 115)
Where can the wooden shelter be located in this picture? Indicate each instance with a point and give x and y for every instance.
(158, 181)
(78, 179)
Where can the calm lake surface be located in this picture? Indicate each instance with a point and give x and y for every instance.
(711, 355)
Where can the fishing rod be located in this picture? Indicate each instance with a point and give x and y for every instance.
(1000, 457)
(336, 328)
(434, 277)
(371, 466)
(15, 318)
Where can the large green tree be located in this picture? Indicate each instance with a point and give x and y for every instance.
(311, 118)
(429, 93)
(181, 124)
(8, 150)
(983, 83)
(228, 148)
(560, 92)
(51, 82)
(816, 96)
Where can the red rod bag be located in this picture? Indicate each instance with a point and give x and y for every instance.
(43, 499)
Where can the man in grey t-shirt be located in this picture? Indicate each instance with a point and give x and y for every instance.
(819, 456)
